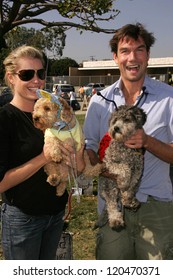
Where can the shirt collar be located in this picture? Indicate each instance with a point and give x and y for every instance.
(147, 84)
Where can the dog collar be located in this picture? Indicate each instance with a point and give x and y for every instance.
(59, 125)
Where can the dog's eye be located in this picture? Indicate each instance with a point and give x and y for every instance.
(46, 108)
(127, 119)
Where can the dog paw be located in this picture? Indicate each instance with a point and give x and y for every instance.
(59, 192)
(53, 180)
(116, 222)
(133, 204)
(57, 158)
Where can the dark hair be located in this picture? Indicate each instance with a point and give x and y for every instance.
(133, 31)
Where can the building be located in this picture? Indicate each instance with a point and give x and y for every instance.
(157, 67)
(107, 72)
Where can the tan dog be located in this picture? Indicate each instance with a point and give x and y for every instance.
(57, 120)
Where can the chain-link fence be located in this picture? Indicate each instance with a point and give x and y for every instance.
(78, 81)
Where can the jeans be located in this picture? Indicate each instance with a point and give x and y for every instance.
(27, 237)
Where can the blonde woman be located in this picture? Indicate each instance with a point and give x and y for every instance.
(32, 214)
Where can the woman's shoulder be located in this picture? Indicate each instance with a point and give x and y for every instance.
(6, 110)
(7, 114)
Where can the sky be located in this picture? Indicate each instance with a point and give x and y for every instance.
(156, 15)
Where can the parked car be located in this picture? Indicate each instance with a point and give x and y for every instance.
(59, 88)
(63, 90)
(97, 86)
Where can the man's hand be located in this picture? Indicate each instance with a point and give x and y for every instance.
(137, 140)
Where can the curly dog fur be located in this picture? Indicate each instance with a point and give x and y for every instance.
(60, 124)
(124, 163)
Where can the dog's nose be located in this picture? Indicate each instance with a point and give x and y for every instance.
(116, 129)
(36, 119)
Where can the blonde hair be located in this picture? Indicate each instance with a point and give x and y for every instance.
(11, 61)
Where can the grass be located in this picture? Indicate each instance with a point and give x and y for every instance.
(81, 221)
(80, 119)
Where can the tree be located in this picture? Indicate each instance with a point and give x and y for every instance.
(61, 67)
(3, 54)
(46, 39)
(82, 15)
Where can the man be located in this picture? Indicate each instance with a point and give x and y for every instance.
(170, 81)
(148, 232)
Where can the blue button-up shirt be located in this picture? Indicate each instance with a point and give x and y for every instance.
(158, 105)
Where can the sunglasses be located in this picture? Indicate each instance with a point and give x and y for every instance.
(28, 74)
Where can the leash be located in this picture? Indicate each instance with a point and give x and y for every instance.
(69, 205)
(72, 173)
(59, 125)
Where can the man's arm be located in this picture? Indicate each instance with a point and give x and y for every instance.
(158, 148)
(94, 159)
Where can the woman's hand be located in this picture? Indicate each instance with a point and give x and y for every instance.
(72, 158)
(46, 157)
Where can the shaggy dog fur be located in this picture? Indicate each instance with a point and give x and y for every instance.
(124, 163)
(60, 124)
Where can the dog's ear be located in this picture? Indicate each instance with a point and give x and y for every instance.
(64, 103)
(140, 116)
(66, 111)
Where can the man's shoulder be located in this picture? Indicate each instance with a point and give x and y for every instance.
(157, 86)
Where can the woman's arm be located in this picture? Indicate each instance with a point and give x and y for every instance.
(72, 158)
(21, 173)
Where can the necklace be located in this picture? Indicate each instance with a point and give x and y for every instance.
(28, 118)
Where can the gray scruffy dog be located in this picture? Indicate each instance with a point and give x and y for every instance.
(124, 163)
